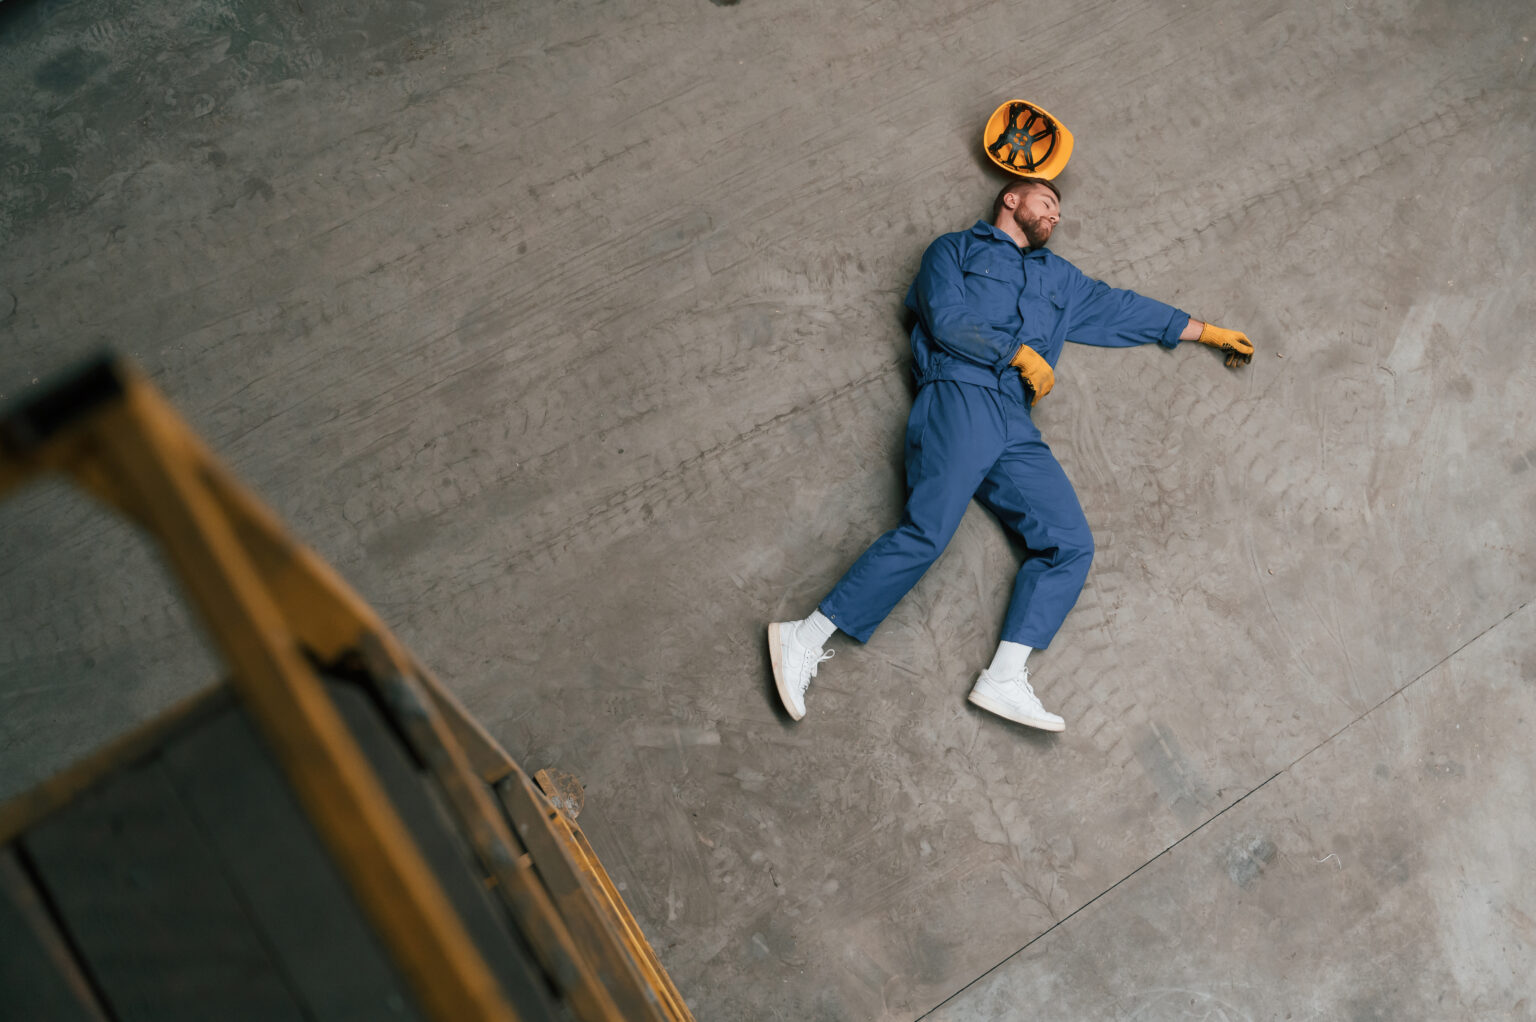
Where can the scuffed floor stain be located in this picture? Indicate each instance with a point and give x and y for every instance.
(1178, 784)
(1248, 859)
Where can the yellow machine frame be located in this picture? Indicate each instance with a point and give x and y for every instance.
(275, 611)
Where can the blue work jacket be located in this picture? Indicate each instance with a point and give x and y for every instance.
(978, 297)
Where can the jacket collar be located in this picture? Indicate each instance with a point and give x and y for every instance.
(982, 229)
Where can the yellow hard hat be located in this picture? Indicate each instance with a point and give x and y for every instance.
(1025, 140)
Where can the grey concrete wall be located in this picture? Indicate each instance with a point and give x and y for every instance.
(571, 334)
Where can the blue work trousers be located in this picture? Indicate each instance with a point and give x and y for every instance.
(965, 440)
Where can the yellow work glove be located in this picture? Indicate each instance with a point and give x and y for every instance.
(1235, 344)
(1034, 371)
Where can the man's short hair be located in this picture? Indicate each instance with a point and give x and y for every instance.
(1019, 186)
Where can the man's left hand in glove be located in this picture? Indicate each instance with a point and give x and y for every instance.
(1234, 344)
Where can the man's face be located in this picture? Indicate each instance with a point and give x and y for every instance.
(1037, 214)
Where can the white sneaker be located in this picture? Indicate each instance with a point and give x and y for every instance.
(1014, 699)
(794, 664)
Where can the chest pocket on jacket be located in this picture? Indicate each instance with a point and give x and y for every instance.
(1051, 291)
(992, 283)
(1044, 311)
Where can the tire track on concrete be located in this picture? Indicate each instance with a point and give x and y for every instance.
(633, 508)
(1283, 190)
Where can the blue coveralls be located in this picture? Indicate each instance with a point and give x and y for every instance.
(978, 297)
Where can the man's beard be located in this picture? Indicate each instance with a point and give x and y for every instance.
(1036, 231)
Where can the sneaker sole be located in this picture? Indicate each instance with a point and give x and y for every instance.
(776, 658)
(1003, 710)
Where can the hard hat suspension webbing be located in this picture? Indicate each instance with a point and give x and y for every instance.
(1023, 139)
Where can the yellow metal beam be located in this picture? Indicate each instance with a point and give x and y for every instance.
(598, 933)
(613, 903)
(499, 852)
(146, 446)
(327, 615)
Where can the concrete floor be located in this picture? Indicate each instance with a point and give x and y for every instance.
(571, 334)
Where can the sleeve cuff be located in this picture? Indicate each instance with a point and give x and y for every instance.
(1176, 325)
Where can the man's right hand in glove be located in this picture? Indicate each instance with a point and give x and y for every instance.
(1035, 371)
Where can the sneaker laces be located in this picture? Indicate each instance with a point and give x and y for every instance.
(813, 661)
(1022, 681)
